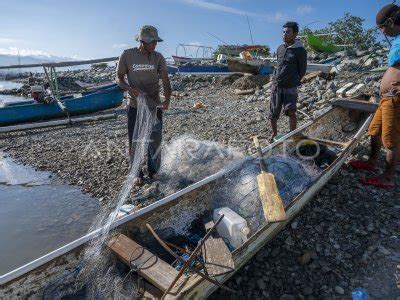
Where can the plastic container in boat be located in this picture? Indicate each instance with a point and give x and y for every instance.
(233, 228)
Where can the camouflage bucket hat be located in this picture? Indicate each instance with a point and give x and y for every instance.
(148, 34)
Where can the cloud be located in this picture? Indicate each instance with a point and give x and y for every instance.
(23, 52)
(275, 17)
(304, 10)
(7, 40)
(278, 17)
(214, 6)
(120, 46)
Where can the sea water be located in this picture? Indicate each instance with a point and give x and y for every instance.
(38, 214)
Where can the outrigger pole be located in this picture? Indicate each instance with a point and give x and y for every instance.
(62, 64)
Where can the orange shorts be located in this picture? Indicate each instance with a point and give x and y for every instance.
(386, 122)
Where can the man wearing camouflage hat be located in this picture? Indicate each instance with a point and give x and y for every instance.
(143, 67)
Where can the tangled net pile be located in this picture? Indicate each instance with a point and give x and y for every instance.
(187, 160)
(239, 189)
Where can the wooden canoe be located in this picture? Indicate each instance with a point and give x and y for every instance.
(177, 210)
(17, 112)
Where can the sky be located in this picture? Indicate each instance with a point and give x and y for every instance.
(87, 29)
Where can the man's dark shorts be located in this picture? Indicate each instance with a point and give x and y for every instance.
(285, 98)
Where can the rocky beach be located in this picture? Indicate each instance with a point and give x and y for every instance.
(347, 237)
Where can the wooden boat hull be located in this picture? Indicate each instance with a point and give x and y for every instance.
(180, 208)
(97, 100)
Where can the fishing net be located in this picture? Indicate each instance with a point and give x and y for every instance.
(187, 160)
(99, 274)
(239, 189)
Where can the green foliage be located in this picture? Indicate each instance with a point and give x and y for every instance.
(348, 30)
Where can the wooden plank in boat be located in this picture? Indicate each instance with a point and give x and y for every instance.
(151, 267)
(216, 255)
(356, 104)
(151, 292)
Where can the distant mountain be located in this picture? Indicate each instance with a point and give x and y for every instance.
(6, 60)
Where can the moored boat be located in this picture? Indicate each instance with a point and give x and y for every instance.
(103, 98)
(175, 212)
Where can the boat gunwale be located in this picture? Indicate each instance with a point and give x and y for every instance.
(32, 265)
(275, 227)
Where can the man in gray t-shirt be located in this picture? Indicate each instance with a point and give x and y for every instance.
(143, 67)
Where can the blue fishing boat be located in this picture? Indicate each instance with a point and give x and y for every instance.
(103, 98)
(198, 69)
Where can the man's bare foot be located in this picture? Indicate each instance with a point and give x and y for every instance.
(138, 181)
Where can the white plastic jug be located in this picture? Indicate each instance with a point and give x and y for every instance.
(233, 227)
